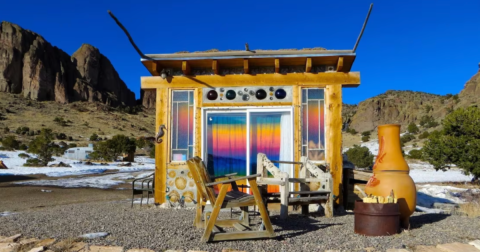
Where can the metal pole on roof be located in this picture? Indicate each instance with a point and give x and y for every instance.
(363, 28)
(129, 37)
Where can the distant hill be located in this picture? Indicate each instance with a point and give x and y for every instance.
(81, 119)
(404, 107)
(33, 68)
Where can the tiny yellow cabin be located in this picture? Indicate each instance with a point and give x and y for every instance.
(226, 107)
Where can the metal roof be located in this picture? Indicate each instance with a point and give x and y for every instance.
(249, 54)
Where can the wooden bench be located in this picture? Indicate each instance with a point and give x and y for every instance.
(227, 199)
(316, 185)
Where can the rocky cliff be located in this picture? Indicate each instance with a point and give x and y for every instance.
(470, 93)
(32, 67)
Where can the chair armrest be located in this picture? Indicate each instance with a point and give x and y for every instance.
(224, 176)
(144, 179)
(228, 181)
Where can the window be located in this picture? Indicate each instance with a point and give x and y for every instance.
(71, 151)
(182, 125)
(88, 152)
(313, 124)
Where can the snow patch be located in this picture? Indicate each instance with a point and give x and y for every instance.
(94, 235)
(6, 213)
(15, 165)
(144, 200)
(102, 182)
(428, 210)
(428, 194)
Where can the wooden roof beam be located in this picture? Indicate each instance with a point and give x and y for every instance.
(154, 68)
(350, 79)
(185, 68)
(308, 67)
(277, 65)
(215, 67)
(340, 64)
(245, 66)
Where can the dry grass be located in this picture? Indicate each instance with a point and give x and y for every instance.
(471, 209)
(23, 247)
(86, 118)
(69, 244)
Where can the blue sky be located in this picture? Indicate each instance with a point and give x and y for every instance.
(431, 46)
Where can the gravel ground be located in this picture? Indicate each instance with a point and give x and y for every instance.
(161, 229)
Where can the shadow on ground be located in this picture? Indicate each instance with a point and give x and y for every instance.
(12, 178)
(419, 220)
(296, 225)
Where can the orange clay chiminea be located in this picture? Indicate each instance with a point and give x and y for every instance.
(391, 172)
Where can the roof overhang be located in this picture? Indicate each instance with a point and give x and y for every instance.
(305, 60)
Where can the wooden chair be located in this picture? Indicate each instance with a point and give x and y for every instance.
(316, 186)
(227, 199)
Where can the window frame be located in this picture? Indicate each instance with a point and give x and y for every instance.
(325, 114)
(247, 110)
(171, 124)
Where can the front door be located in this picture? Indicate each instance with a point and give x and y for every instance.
(233, 139)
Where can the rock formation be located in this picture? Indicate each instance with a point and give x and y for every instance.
(399, 107)
(470, 93)
(148, 98)
(31, 66)
(404, 107)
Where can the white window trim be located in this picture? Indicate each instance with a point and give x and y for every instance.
(247, 111)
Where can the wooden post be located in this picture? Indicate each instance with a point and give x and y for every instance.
(215, 67)
(333, 111)
(308, 66)
(185, 68)
(297, 129)
(162, 103)
(284, 195)
(246, 69)
(340, 64)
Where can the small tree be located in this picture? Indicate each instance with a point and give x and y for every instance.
(428, 108)
(352, 131)
(42, 146)
(60, 121)
(94, 137)
(152, 152)
(61, 136)
(103, 151)
(412, 128)
(457, 143)
(112, 148)
(406, 138)
(141, 142)
(424, 135)
(360, 156)
(365, 138)
(10, 143)
(428, 122)
(415, 154)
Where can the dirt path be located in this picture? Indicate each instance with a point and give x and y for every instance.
(22, 198)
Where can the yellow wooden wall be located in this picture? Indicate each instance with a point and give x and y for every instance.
(333, 124)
